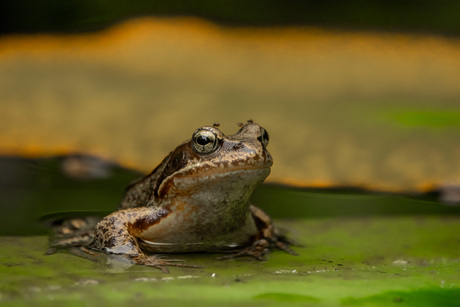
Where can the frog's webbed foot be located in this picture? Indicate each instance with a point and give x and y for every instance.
(68, 232)
(260, 248)
(160, 263)
(79, 251)
(72, 235)
(257, 250)
(82, 251)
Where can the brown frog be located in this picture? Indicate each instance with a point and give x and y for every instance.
(196, 200)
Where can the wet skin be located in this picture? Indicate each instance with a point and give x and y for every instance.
(196, 200)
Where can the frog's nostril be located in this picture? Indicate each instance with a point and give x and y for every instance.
(238, 145)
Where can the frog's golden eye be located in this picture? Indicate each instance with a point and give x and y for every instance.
(205, 141)
(263, 138)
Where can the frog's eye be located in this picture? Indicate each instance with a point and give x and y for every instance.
(205, 141)
(263, 138)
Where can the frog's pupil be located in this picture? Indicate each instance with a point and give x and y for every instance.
(203, 140)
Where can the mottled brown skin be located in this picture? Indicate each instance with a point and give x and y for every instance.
(196, 200)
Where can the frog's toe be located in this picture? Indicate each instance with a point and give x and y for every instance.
(245, 253)
(257, 250)
(285, 247)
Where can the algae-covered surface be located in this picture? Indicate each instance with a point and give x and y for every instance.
(355, 261)
(350, 261)
(356, 248)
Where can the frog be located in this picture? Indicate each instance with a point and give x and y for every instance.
(196, 200)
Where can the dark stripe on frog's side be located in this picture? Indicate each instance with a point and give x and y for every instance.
(141, 191)
(177, 160)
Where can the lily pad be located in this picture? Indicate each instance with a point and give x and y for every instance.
(356, 248)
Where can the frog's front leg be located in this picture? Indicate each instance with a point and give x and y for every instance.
(117, 234)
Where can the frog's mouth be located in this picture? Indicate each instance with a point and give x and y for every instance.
(205, 173)
(223, 167)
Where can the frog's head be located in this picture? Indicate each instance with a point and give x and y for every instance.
(221, 164)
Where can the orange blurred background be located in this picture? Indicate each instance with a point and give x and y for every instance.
(349, 108)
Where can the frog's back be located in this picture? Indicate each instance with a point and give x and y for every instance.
(140, 192)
